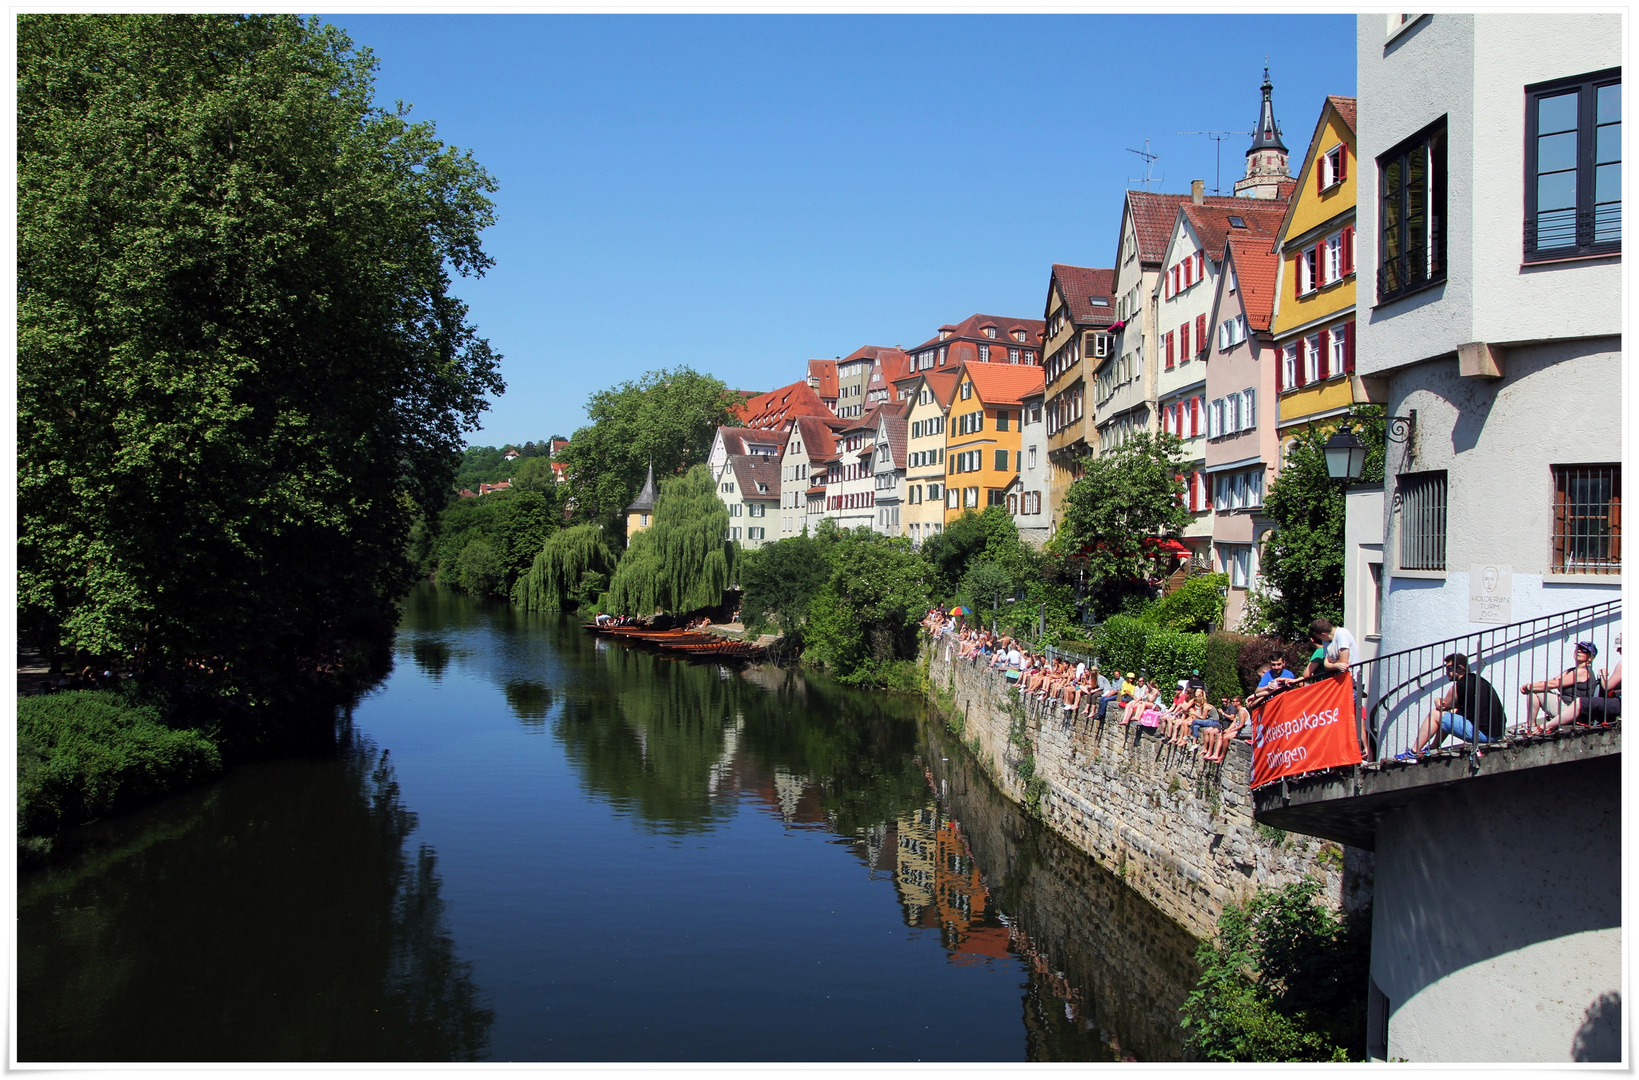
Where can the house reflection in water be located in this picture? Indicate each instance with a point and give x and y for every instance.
(940, 888)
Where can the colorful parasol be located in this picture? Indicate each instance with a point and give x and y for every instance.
(960, 610)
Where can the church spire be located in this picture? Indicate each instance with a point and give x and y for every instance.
(1267, 136)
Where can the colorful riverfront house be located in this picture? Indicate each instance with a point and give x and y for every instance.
(929, 395)
(749, 486)
(980, 339)
(982, 436)
(777, 408)
(640, 514)
(1314, 309)
(1080, 309)
(889, 467)
(1241, 447)
(888, 369)
(809, 450)
(1183, 300)
(851, 482)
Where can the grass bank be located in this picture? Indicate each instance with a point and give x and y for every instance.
(84, 754)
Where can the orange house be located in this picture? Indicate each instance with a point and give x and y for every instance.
(982, 434)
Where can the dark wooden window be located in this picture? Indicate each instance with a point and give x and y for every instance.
(1587, 519)
(1573, 166)
(1411, 248)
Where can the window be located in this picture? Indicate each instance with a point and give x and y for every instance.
(1183, 343)
(1573, 166)
(1337, 342)
(1001, 419)
(1170, 361)
(934, 492)
(967, 391)
(1587, 535)
(1001, 461)
(970, 498)
(734, 510)
(1332, 168)
(1311, 358)
(756, 510)
(1305, 268)
(1236, 222)
(990, 332)
(756, 534)
(1012, 356)
(643, 521)
(734, 533)
(1101, 346)
(1289, 366)
(1236, 561)
(1412, 214)
(1032, 457)
(1421, 503)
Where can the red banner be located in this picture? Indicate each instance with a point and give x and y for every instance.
(1305, 730)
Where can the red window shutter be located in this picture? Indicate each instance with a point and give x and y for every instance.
(1348, 249)
(1169, 351)
(1179, 477)
(1194, 416)
(1320, 174)
(1183, 342)
(1342, 163)
(1200, 333)
(1297, 367)
(1200, 265)
(1348, 345)
(1322, 358)
(1280, 369)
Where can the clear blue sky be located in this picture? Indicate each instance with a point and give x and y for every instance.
(741, 193)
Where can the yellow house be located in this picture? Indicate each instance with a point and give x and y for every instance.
(930, 394)
(640, 515)
(982, 434)
(1313, 324)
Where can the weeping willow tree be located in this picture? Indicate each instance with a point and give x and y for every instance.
(561, 569)
(682, 563)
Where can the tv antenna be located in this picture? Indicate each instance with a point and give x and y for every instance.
(1149, 159)
(1218, 138)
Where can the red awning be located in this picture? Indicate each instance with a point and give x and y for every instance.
(1174, 547)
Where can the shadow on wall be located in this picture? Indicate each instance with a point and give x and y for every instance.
(1600, 1036)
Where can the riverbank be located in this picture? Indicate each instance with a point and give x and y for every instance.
(1178, 830)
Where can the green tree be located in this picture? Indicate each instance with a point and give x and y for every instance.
(240, 366)
(534, 473)
(683, 562)
(1303, 560)
(780, 581)
(479, 570)
(862, 624)
(1283, 980)
(1126, 499)
(561, 570)
(667, 417)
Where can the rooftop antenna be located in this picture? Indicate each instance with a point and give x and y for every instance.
(1218, 137)
(1149, 159)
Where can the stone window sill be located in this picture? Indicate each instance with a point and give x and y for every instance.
(1421, 575)
(1614, 580)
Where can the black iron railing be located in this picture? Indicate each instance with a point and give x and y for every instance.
(1563, 234)
(1398, 691)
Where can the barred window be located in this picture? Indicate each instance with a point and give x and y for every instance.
(1421, 503)
(1587, 519)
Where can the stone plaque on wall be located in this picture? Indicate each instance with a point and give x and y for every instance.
(1490, 593)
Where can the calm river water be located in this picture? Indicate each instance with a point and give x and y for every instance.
(539, 846)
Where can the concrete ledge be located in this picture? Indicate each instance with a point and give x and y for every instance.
(1344, 805)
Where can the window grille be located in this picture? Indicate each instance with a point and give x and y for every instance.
(1422, 507)
(1587, 519)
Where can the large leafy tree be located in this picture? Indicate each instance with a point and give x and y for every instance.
(682, 563)
(1127, 498)
(240, 367)
(1303, 559)
(780, 581)
(863, 620)
(666, 417)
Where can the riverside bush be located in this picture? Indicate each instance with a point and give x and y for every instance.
(1193, 606)
(1221, 672)
(1284, 979)
(84, 754)
(1170, 656)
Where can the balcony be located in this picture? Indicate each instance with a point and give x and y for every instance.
(1398, 691)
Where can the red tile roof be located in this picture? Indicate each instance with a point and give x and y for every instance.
(738, 440)
(778, 408)
(819, 436)
(894, 426)
(972, 329)
(1079, 286)
(943, 384)
(1212, 226)
(758, 474)
(1345, 107)
(822, 376)
(1004, 384)
(1155, 213)
(1255, 271)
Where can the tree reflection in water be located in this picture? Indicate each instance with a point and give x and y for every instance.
(197, 931)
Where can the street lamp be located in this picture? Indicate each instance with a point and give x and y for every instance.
(1345, 455)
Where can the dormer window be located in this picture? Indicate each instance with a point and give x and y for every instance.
(1237, 222)
(1099, 301)
(990, 332)
(1018, 335)
(943, 334)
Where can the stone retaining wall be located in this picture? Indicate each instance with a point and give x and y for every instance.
(1178, 830)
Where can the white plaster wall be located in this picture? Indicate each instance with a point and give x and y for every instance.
(1182, 307)
(1474, 69)
(1034, 433)
(1496, 925)
(1402, 86)
(1362, 546)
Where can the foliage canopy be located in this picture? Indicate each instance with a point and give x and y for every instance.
(240, 367)
(681, 563)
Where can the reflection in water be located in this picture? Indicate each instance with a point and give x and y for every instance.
(274, 916)
(530, 701)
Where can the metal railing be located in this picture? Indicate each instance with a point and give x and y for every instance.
(1398, 690)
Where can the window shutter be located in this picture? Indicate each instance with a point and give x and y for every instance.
(1200, 333)
(1342, 163)
(1183, 342)
(1169, 351)
(1321, 358)
(1211, 426)
(1194, 416)
(1320, 174)
(1251, 396)
(1348, 249)
(1200, 265)
(1348, 345)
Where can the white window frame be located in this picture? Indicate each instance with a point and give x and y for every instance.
(1337, 342)
(1311, 359)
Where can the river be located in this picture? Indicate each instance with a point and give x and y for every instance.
(534, 845)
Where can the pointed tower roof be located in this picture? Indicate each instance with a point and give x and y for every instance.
(646, 497)
(1267, 136)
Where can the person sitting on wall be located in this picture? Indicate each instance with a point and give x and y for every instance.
(1239, 723)
(1202, 717)
(1607, 708)
(1470, 709)
(1575, 686)
(1110, 696)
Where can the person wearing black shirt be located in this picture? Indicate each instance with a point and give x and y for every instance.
(1470, 709)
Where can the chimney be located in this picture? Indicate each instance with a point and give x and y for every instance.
(1197, 191)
